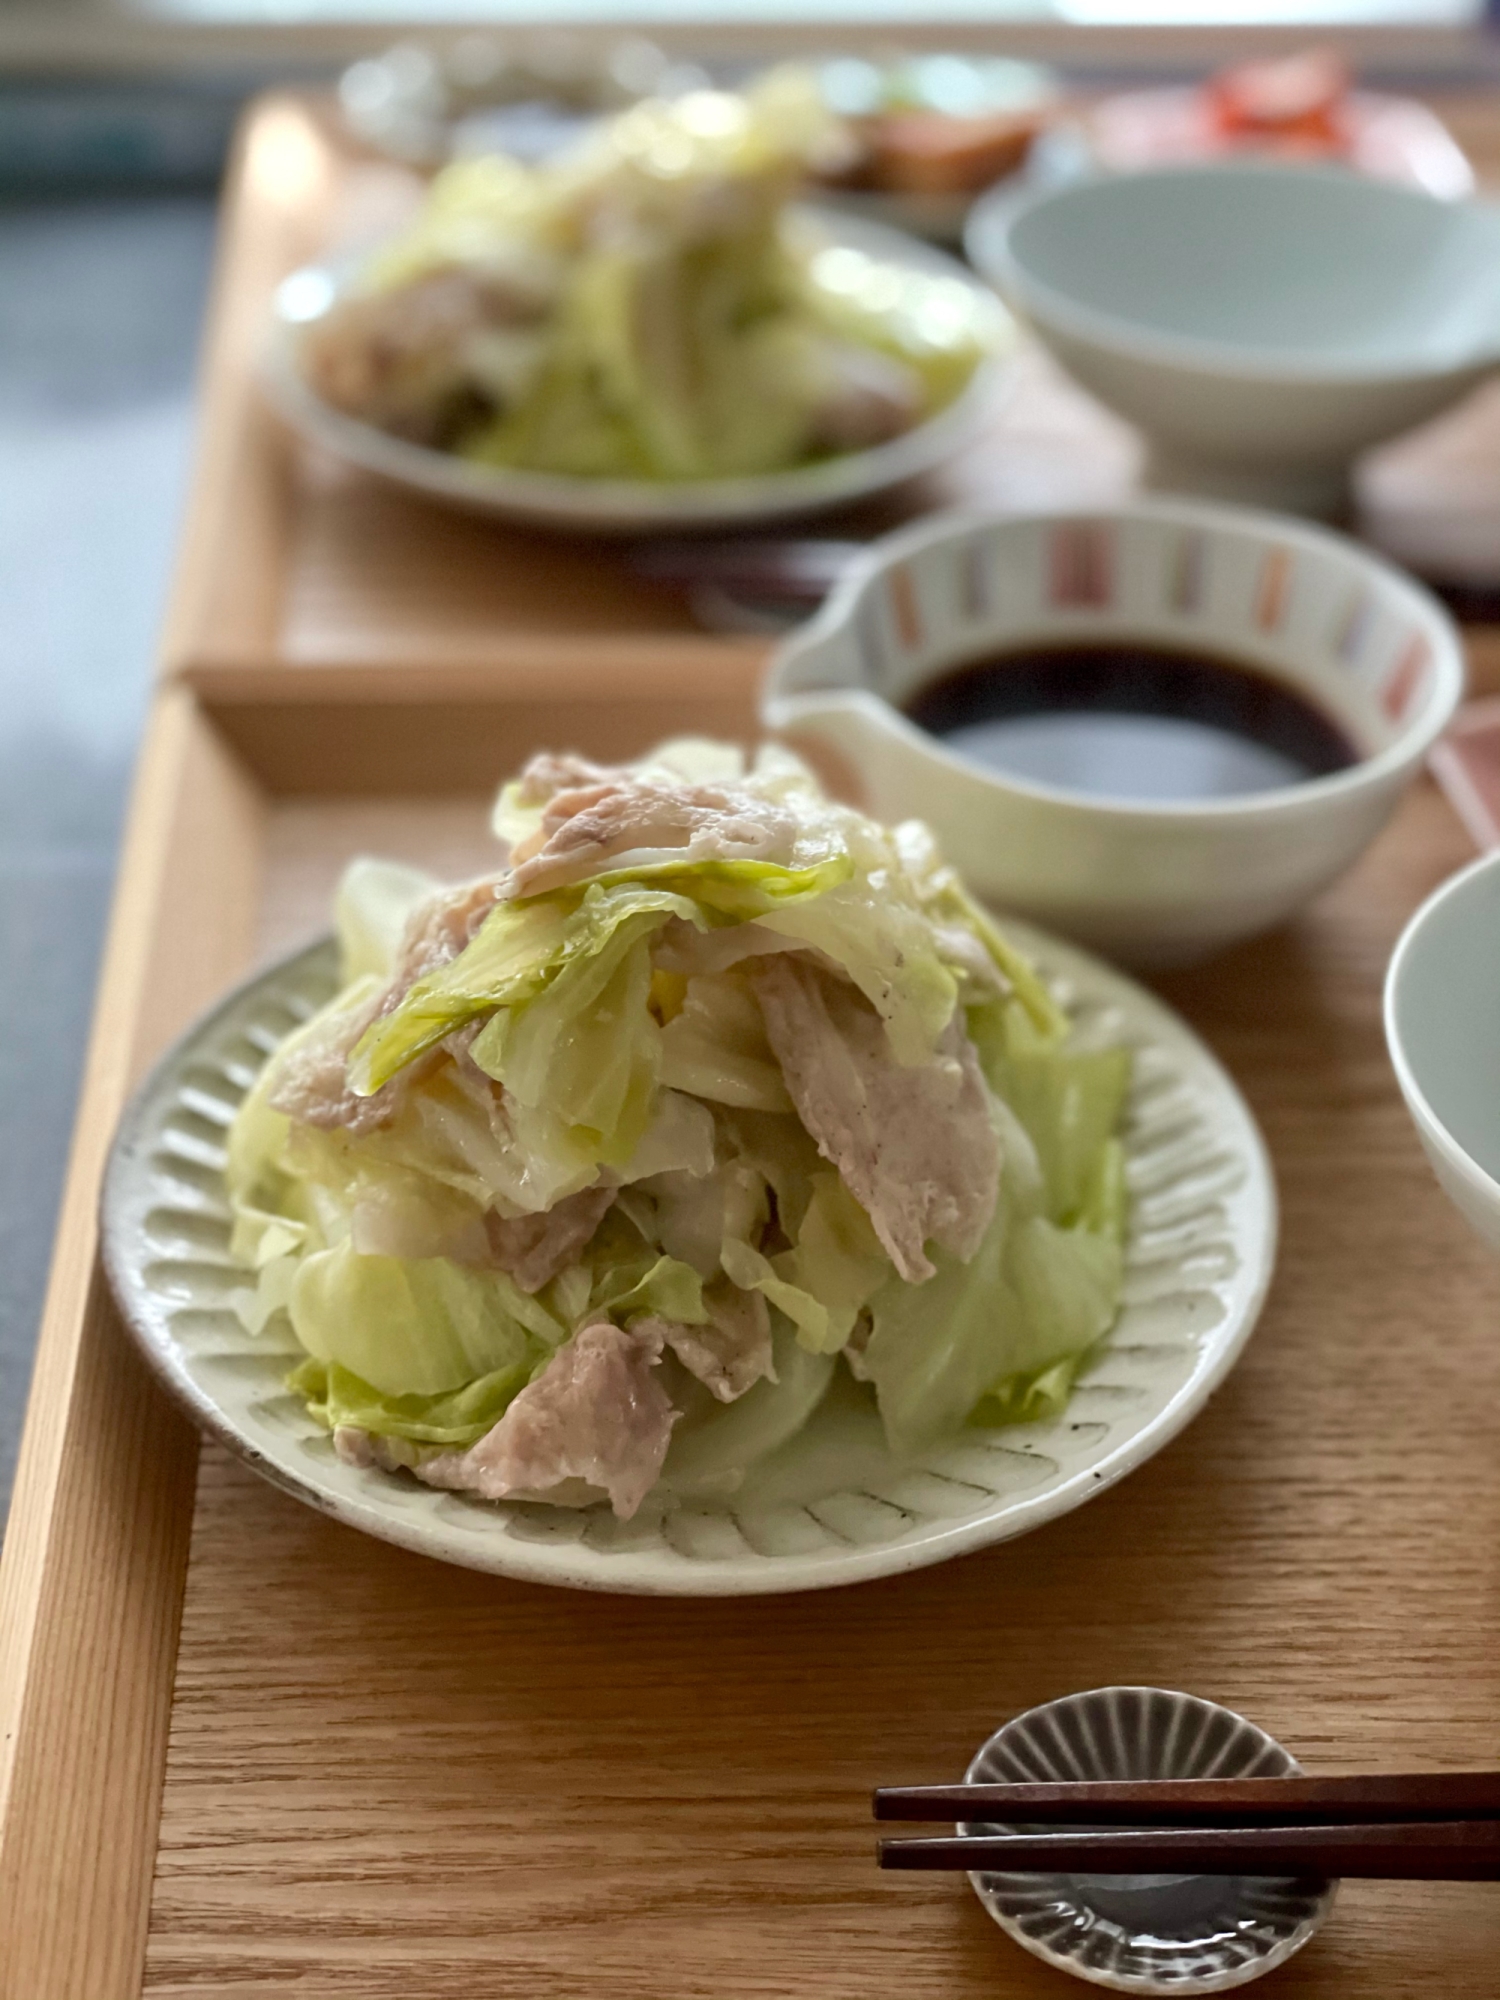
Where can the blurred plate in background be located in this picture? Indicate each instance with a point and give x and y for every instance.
(624, 507)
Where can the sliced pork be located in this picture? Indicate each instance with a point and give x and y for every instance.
(534, 1248)
(312, 1081)
(402, 358)
(731, 1351)
(915, 1145)
(595, 1420)
(615, 813)
(865, 398)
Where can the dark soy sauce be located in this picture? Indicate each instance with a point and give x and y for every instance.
(1131, 721)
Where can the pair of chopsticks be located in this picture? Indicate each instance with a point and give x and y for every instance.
(1419, 1827)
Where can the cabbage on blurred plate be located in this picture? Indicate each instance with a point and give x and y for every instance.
(645, 310)
(600, 1168)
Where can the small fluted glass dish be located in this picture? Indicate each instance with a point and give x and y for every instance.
(1162, 1934)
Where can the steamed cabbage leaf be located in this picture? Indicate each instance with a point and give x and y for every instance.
(587, 1049)
(371, 908)
(416, 1326)
(1033, 1398)
(1069, 1100)
(715, 1046)
(717, 1442)
(985, 1338)
(828, 1275)
(668, 1288)
(886, 946)
(455, 1418)
(520, 948)
(935, 1348)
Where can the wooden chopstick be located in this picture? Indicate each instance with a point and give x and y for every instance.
(1465, 1851)
(1166, 1802)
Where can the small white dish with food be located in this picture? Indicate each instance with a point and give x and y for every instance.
(1442, 1026)
(709, 1199)
(1261, 323)
(643, 333)
(1156, 860)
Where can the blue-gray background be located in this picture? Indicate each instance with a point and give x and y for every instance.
(101, 302)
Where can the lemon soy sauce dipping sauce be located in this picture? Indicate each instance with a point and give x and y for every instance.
(1131, 721)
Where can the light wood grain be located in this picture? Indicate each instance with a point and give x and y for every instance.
(92, 1566)
(295, 559)
(386, 1777)
(231, 576)
(394, 729)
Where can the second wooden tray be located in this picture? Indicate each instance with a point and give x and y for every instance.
(246, 1752)
(292, 559)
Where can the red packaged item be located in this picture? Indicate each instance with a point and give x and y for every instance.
(1300, 101)
(1298, 107)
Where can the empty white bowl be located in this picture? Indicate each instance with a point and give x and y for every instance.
(1262, 323)
(1442, 1025)
(1150, 881)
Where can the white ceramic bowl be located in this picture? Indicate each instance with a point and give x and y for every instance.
(638, 506)
(1151, 883)
(1261, 323)
(1442, 1025)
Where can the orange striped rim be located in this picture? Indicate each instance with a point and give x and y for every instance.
(904, 607)
(1274, 589)
(1405, 677)
(1080, 563)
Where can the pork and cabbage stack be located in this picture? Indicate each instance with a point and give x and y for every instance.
(600, 1169)
(647, 307)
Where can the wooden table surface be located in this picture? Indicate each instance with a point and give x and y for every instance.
(247, 1754)
(385, 1776)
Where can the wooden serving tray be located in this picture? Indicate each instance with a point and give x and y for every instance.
(244, 1752)
(296, 560)
(247, 1752)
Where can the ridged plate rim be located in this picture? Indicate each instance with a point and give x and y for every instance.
(136, 1186)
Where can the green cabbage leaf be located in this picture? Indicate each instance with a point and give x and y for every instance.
(455, 1418)
(371, 908)
(416, 1326)
(828, 1275)
(1001, 1338)
(886, 945)
(715, 1443)
(586, 1051)
(520, 949)
(715, 1046)
(1069, 1100)
(668, 1288)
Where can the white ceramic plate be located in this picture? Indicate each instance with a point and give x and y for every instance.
(832, 1506)
(638, 506)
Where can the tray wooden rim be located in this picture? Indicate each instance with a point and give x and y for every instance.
(92, 1571)
(241, 521)
(94, 1561)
